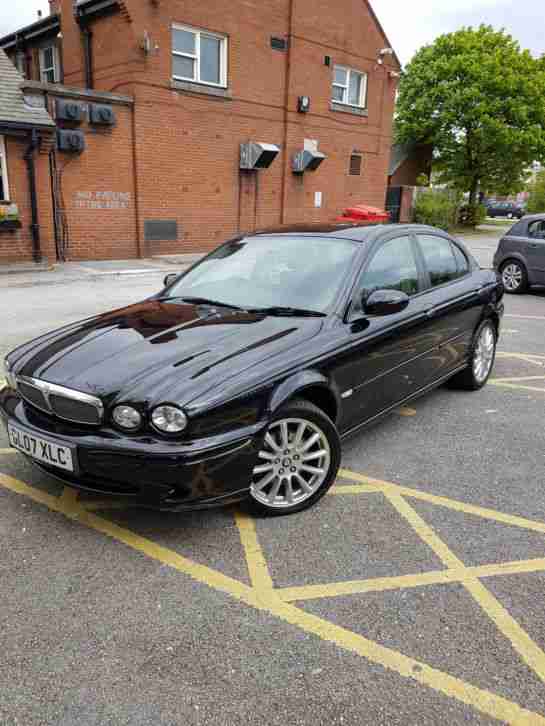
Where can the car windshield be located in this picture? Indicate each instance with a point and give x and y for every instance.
(303, 273)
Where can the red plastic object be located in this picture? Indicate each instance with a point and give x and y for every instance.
(363, 213)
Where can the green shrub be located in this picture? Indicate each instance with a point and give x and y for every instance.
(436, 207)
(471, 215)
(536, 200)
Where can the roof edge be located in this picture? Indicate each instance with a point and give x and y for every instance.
(379, 25)
(43, 25)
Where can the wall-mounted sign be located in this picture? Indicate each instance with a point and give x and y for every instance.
(103, 200)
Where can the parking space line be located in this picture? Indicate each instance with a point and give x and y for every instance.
(258, 569)
(8, 451)
(517, 378)
(355, 489)
(484, 701)
(402, 582)
(454, 504)
(506, 624)
(515, 386)
(536, 360)
(525, 317)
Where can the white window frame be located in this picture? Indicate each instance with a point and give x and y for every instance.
(197, 56)
(54, 67)
(4, 169)
(346, 87)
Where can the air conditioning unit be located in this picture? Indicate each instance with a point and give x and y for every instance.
(100, 114)
(256, 155)
(67, 110)
(70, 141)
(306, 160)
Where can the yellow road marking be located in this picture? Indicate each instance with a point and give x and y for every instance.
(103, 505)
(8, 451)
(526, 357)
(401, 582)
(257, 565)
(516, 387)
(526, 317)
(454, 504)
(517, 378)
(406, 411)
(355, 489)
(484, 701)
(2, 383)
(506, 624)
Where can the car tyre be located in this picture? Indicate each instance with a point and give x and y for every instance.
(298, 460)
(481, 361)
(514, 277)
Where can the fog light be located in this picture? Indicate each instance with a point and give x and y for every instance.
(127, 417)
(8, 375)
(169, 419)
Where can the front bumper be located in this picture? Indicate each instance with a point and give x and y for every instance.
(157, 473)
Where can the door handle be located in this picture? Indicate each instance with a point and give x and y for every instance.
(533, 245)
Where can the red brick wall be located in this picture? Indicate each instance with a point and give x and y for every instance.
(98, 191)
(17, 246)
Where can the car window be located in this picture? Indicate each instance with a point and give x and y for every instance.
(536, 230)
(461, 260)
(439, 259)
(393, 267)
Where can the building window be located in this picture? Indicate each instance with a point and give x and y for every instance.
(199, 56)
(349, 87)
(20, 63)
(49, 65)
(355, 165)
(4, 188)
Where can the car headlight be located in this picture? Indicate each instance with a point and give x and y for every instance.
(169, 419)
(127, 417)
(8, 374)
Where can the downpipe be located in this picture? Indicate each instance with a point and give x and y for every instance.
(31, 170)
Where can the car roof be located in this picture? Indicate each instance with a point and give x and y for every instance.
(365, 232)
(533, 217)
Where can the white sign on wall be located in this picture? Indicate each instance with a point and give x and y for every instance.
(318, 198)
(103, 200)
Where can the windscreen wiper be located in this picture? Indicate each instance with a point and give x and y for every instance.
(288, 311)
(207, 301)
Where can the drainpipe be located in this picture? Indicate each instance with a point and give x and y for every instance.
(35, 226)
(287, 79)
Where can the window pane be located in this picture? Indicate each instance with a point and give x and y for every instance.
(461, 260)
(439, 259)
(354, 93)
(183, 41)
(183, 67)
(340, 76)
(48, 76)
(210, 59)
(338, 94)
(392, 268)
(48, 58)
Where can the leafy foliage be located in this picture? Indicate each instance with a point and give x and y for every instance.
(536, 200)
(480, 101)
(436, 207)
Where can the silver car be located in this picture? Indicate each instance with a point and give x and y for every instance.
(520, 257)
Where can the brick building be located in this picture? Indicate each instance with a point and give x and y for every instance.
(153, 99)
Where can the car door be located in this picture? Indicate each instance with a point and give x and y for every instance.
(380, 364)
(454, 301)
(535, 251)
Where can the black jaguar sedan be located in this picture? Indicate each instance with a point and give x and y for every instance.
(240, 378)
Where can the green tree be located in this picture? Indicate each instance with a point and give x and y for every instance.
(536, 200)
(480, 101)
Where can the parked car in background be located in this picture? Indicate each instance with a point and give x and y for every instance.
(520, 257)
(511, 210)
(240, 378)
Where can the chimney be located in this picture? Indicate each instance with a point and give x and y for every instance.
(54, 7)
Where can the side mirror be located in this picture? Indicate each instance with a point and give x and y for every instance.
(385, 302)
(169, 279)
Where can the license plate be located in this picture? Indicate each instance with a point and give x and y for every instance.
(41, 449)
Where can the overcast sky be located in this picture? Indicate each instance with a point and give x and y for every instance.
(407, 24)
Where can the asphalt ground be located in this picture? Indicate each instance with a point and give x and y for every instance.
(412, 594)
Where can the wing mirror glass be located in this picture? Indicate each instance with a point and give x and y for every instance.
(169, 279)
(385, 302)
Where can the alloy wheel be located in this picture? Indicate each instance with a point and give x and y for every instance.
(293, 463)
(512, 276)
(483, 357)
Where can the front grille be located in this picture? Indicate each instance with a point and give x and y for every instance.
(65, 403)
(73, 410)
(33, 395)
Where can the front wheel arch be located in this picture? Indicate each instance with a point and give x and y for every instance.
(311, 386)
